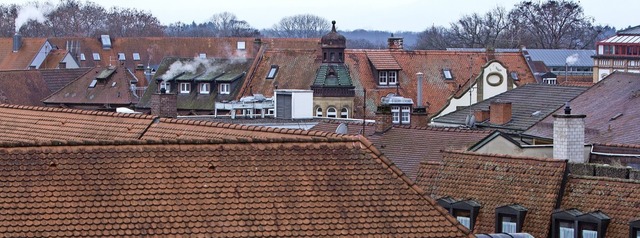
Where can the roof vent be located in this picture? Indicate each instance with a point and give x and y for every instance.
(106, 42)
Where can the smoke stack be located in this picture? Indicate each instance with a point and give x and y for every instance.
(17, 42)
(568, 137)
(420, 78)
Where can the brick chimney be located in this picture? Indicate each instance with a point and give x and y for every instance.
(568, 136)
(395, 43)
(420, 117)
(499, 112)
(481, 115)
(164, 104)
(383, 118)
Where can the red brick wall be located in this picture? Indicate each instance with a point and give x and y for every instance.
(164, 105)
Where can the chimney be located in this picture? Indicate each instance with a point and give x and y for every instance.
(395, 43)
(62, 65)
(419, 115)
(257, 43)
(481, 115)
(499, 112)
(17, 42)
(491, 53)
(568, 136)
(164, 104)
(383, 118)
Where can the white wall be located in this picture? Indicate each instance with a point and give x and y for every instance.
(491, 74)
(454, 103)
(71, 63)
(41, 55)
(302, 104)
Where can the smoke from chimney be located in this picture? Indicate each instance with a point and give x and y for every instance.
(191, 66)
(572, 59)
(31, 12)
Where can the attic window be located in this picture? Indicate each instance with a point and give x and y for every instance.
(136, 56)
(514, 75)
(96, 57)
(113, 84)
(202, 56)
(509, 219)
(464, 211)
(82, 57)
(93, 83)
(447, 74)
(634, 229)
(272, 72)
(241, 45)
(567, 223)
(121, 56)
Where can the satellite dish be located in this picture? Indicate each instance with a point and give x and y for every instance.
(342, 129)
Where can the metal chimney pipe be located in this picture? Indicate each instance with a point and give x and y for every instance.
(420, 78)
(17, 42)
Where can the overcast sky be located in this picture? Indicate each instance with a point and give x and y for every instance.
(394, 15)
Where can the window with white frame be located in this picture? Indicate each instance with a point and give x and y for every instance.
(331, 112)
(166, 85)
(202, 55)
(387, 78)
(395, 114)
(405, 114)
(185, 87)
(550, 81)
(241, 45)
(447, 74)
(344, 113)
(463, 216)
(465, 211)
(319, 112)
(205, 88)
(225, 88)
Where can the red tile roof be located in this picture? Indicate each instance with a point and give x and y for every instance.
(619, 199)
(10, 60)
(284, 188)
(495, 181)
(52, 61)
(611, 108)
(58, 78)
(383, 60)
(22, 87)
(114, 91)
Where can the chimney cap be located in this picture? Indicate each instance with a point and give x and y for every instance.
(567, 108)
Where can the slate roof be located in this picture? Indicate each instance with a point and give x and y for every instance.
(10, 60)
(558, 57)
(495, 181)
(22, 87)
(635, 30)
(222, 70)
(619, 93)
(525, 101)
(113, 88)
(311, 187)
(340, 72)
(617, 198)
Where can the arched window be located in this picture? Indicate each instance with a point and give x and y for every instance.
(344, 113)
(319, 112)
(331, 112)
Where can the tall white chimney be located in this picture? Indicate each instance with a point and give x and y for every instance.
(420, 79)
(568, 136)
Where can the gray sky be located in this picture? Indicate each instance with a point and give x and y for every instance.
(394, 15)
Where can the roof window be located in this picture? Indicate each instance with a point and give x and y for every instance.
(136, 56)
(96, 57)
(93, 83)
(447, 74)
(121, 56)
(241, 45)
(272, 72)
(202, 56)
(82, 57)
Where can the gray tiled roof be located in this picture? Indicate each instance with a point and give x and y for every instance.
(558, 57)
(525, 101)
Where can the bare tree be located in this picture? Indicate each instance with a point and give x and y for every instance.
(301, 26)
(7, 15)
(435, 38)
(127, 22)
(75, 18)
(477, 30)
(554, 24)
(226, 24)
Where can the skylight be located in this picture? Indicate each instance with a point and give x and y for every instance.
(202, 55)
(96, 56)
(272, 72)
(241, 45)
(121, 56)
(93, 83)
(82, 57)
(136, 56)
(447, 74)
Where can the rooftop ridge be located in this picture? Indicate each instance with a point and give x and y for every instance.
(632, 146)
(443, 128)
(603, 178)
(412, 185)
(237, 140)
(77, 111)
(253, 128)
(504, 156)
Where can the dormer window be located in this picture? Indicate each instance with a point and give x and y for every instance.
(509, 219)
(272, 72)
(202, 55)
(224, 88)
(447, 74)
(205, 88)
(387, 77)
(634, 229)
(166, 85)
(400, 114)
(574, 223)
(465, 211)
(185, 87)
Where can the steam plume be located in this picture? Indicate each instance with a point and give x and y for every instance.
(31, 12)
(572, 59)
(191, 66)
